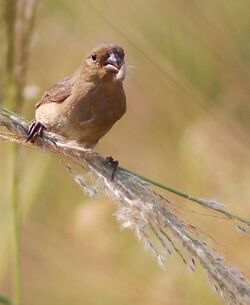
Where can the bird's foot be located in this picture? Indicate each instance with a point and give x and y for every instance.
(35, 129)
(114, 164)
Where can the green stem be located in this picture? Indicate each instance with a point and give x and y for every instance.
(205, 203)
(16, 270)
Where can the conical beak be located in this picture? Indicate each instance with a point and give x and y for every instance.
(114, 62)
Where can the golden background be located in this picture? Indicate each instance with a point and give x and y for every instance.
(187, 124)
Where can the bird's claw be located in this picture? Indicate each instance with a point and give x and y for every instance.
(35, 129)
(114, 164)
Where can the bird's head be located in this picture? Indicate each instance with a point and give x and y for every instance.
(106, 62)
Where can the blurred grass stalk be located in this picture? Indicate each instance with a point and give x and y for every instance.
(19, 19)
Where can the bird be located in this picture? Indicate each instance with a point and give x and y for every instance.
(86, 104)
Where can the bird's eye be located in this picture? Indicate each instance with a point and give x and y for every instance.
(93, 56)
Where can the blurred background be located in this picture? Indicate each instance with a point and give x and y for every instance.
(187, 125)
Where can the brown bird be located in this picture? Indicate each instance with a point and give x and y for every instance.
(85, 105)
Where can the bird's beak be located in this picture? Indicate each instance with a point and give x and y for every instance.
(114, 63)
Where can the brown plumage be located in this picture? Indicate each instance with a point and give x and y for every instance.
(86, 104)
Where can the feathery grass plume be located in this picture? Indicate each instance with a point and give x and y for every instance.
(151, 216)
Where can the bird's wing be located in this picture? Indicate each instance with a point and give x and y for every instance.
(57, 93)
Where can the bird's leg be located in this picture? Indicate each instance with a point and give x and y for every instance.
(35, 129)
(114, 164)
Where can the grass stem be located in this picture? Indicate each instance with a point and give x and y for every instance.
(210, 204)
(13, 199)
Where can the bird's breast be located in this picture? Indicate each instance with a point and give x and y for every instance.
(93, 114)
(101, 105)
